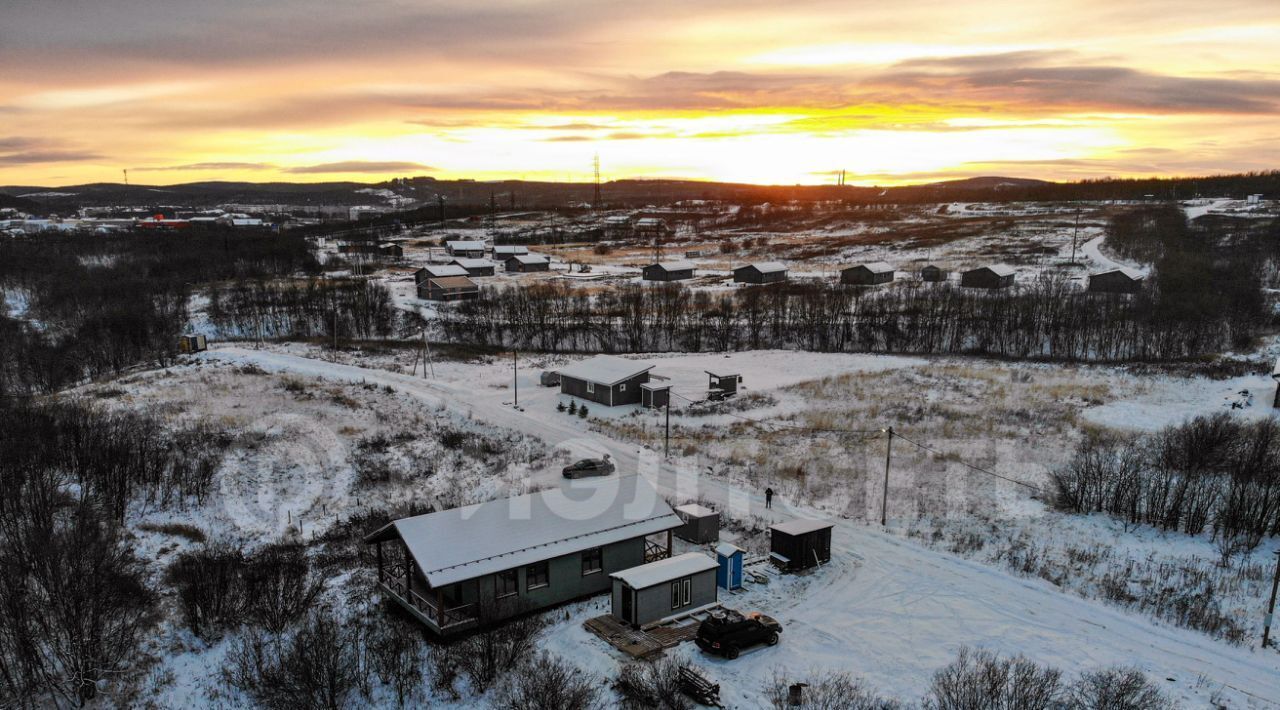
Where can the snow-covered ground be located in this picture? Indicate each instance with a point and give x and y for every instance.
(887, 608)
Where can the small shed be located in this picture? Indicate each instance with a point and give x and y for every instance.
(729, 557)
(764, 272)
(668, 271)
(873, 274)
(997, 276)
(654, 396)
(701, 524)
(933, 273)
(1120, 280)
(476, 267)
(448, 288)
(465, 248)
(192, 344)
(800, 544)
(391, 250)
(693, 254)
(524, 263)
(722, 385)
(652, 593)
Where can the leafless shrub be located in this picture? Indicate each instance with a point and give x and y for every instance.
(395, 652)
(1117, 689)
(827, 690)
(547, 682)
(496, 647)
(980, 680)
(320, 665)
(220, 588)
(652, 685)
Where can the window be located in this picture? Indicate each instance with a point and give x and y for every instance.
(537, 576)
(592, 561)
(506, 584)
(681, 592)
(622, 387)
(591, 388)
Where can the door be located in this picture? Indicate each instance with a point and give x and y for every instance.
(627, 595)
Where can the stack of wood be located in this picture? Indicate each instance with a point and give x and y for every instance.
(698, 687)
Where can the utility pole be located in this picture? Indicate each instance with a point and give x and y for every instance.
(595, 202)
(884, 495)
(1271, 605)
(440, 201)
(426, 345)
(1074, 237)
(515, 378)
(666, 439)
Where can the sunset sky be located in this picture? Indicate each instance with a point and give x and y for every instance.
(766, 92)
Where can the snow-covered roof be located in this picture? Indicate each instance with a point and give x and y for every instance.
(800, 526)
(875, 267)
(605, 369)
(998, 269)
(530, 258)
(473, 263)
(452, 282)
(617, 219)
(649, 222)
(655, 386)
(695, 510)
(464, 543)
(444, 270)
(464, 245)
(675, 265)
(646, 576)
(510, 249)
(728, 549)
(766, 267)
(1131, 274)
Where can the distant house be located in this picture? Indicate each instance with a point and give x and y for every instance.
(527, 262)
(650, 594)
(605, 379)
(520, 554)
(448, 288)
(437, 270)
(1120, 280)
(617, 226)
(668, 271)
(764, 272)
(391, 250)
(800, 544)
(467, 249)
(649, 227)
(933, 273)
(476, 267)
(998, 276)
(871, 274)
(500, 253)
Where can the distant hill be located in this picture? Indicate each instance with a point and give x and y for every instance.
(989, 183)
(18, 203)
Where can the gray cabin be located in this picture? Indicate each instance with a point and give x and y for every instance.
(1121, 280)
(437, 270)
(455, 569)
(605, 379)
(933, 273)
(765, 272)
(465, 248)
(448, 288)
(800, 544)
(650, 594)
(522, 263)
(668, 271)
(872, 274)
(993, 277)
(476, 267)
(701, 524)
(653, 396)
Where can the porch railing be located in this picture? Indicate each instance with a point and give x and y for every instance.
(449, 617)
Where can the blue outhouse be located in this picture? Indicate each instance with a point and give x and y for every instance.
(729, 573)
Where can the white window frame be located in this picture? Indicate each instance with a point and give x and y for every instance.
(622, 387)
(591, 388)
(681, 593)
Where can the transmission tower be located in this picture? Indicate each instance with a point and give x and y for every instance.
(595, 164)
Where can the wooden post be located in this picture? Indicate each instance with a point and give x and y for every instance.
(668, 543)
(378, 545)
(884, 498)
(1271, 605)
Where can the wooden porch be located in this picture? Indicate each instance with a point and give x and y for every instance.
(430, 606)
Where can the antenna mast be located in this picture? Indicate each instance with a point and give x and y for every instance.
(595, 164)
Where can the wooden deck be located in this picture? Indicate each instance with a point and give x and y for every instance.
(639, 643)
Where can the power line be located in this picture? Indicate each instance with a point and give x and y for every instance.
(966, 464)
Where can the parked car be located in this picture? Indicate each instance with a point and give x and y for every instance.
(727, 632)
(589, 467)
(550, 378)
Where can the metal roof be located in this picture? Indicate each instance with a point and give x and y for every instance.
(695, 510)
(875, 267)
(510, 249)
(765, 267)
(452, 282)
(675, 265)
(530, 259)
(464, 245)
(605, 369)
(800, 526)
(997, 269)
(468, 542)
(1131, 274)
(473, 263)
(672, 568)
(445, 270)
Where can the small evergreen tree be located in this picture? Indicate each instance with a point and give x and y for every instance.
(573, 407)
(582, 413)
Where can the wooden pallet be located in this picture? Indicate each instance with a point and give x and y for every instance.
(633, 642)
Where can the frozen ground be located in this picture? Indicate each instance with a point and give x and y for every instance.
(887, 608)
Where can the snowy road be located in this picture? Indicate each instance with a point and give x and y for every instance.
(887, 609)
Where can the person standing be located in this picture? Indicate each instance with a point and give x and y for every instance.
(768, 497)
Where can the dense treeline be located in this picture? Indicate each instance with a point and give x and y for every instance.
(95, 305)
(1216, 473)
(302, 308)
(1205, 297)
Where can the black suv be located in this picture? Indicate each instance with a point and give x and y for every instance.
(727, 632)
